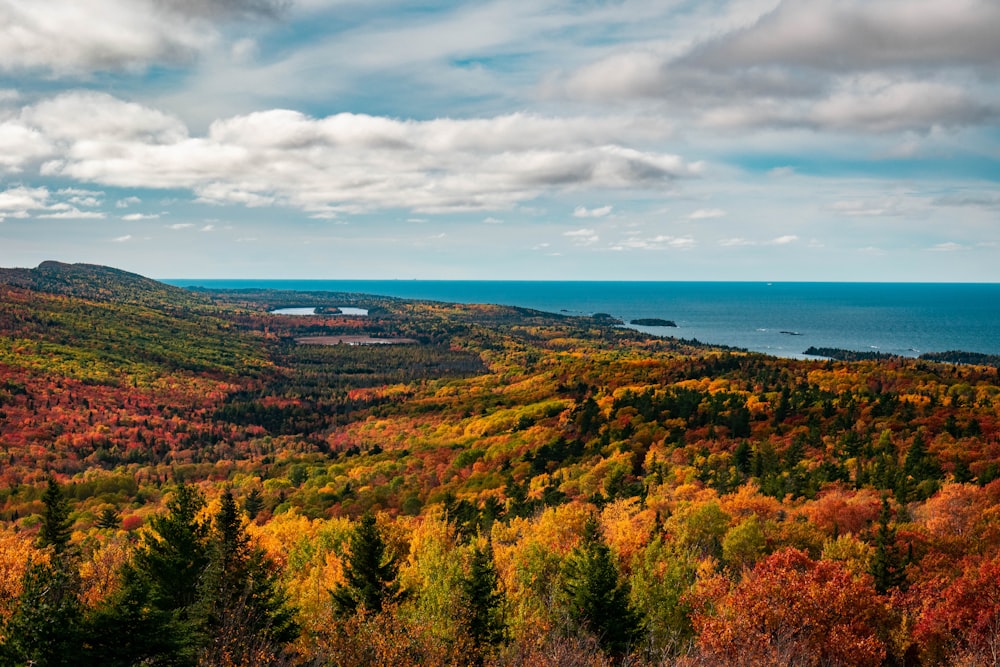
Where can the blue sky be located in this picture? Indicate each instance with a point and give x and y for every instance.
(852, 140)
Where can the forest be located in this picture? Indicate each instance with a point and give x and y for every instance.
(181, 483)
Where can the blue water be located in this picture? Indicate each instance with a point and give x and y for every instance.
(897, 318)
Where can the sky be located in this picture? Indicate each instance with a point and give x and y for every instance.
(806, 140)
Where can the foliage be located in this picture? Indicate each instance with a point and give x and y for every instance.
(793, 610)
(720, 478)
(598, 599)
(369, 572)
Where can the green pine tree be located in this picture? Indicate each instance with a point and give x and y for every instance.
(253, 503)
(370, 572)
(45, 629)
(159, 591)
(598, 599)
(887, 568)
(242, 609)
(483, 603)
(55, 527)
(175, 552)
(108, 519)
(154, 636)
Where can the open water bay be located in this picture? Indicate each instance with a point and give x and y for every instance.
(781, 319)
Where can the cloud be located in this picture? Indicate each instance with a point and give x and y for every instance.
(18, 202)
(127, 201)
(706, 213)
(583, 212)
(346, 162)
(70, 37)
(853, 35)
(583, 236)
(660, 242)
(131, 217)
(20, 146)
(972, 200)
(181, 225)
(490, 220)
(122, 239)
(875, 104)
(738, 241)
(870, 66)
(949, 246)
(71, 213)
(876, 207)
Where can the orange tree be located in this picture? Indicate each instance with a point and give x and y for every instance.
(791, 609)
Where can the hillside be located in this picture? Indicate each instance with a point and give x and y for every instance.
(715, 477)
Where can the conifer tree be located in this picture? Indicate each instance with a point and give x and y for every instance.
(483, 600)
(46, 627)
(108, 519)
(887, 564)
(159, 591)
(55, 527)
(242, 609)
(253, 503)
(598, 599)
(175, 553)
(370, 572)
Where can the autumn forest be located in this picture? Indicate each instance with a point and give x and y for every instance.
(184, 481)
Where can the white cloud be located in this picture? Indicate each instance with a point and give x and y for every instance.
(244, 50)
(490, 220)
(18, 202)
(863, 34)
(878, 104)
(583, 212)
(21, 145)
(71, 37)
(660, 242)
(871, 207)
(583, 236)
(181, 225)
(848, 65)
(734, 242)
(122, 239)
(131, 217)
(347, 162)
(127, 201)
(949, 246)
(706, 213)
(63, 212)
(738, 241)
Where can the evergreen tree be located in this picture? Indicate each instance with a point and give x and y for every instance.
(598, 599)
(253, 503)
(242, 609)
(55, 527)
(154, 636)
(108, 519)
(369, 572)
(45, 628)
(175, 553)
(887, 564)
(483, 600)
(159, 591)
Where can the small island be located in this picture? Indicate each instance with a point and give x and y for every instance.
(652, 322)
